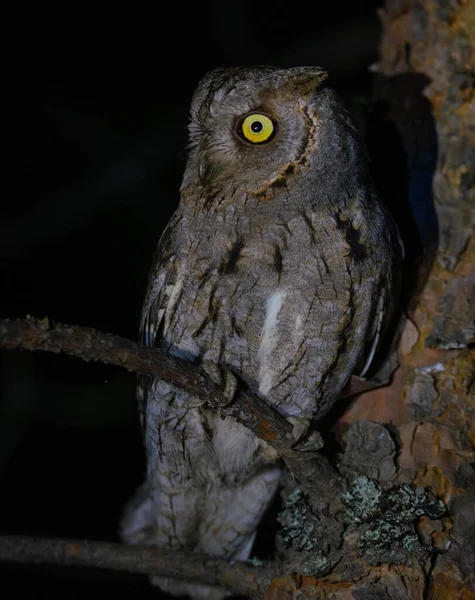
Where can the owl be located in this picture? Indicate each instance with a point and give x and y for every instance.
(280, 267)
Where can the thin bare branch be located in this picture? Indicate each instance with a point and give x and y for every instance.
(92, 345)
(310, 468)
(235, 576)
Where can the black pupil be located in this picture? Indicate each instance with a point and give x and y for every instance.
(257, 127)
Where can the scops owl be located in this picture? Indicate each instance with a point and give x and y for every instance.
(280, 265)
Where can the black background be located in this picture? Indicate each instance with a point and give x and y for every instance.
(95, 110)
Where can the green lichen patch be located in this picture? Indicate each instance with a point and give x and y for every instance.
(386, 519)
(299, 531)
(362, 500)
(296, 530)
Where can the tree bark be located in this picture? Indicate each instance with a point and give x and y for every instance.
(394, 517)
(426, 79)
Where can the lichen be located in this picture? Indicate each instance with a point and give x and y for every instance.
(386, 519)
(296, 531)
(315, 564)
(362, 500)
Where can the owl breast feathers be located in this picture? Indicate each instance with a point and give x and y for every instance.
(280, 264)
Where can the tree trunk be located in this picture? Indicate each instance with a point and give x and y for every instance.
(419, 432)
(425, 82)
(395, 518)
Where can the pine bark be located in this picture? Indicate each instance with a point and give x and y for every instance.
(419, 432)
(393, 516)
(426, 81)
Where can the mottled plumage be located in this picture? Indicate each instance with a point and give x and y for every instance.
(280, 264)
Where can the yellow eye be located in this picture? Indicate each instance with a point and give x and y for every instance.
(257, 128)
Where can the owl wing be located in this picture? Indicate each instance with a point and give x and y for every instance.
(162, 279)
(381, 310)
(389, 292)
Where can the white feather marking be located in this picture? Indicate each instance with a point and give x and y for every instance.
(298, 331)
(173, 299)
(149, 334)
(268, 341)
(380, 316)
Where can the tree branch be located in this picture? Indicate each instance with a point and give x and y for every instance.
(310, 468)
(235, 576)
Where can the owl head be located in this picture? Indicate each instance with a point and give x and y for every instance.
(251, 126)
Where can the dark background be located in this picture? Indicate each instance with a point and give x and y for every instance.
(95, 110)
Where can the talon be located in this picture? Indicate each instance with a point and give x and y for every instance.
(230, 387)
(299, 428)
(213, 372)
(303, 441)
(223, 378)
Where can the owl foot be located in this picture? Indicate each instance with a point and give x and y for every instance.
(223, 378)
(303, 441)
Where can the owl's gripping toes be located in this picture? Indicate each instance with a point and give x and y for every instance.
(280, 264)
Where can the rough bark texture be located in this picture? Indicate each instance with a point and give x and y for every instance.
(428, 55)
(420, 431)
(90, 345)
(396, 519)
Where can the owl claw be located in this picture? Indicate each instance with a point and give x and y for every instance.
(223, 379)
(303, 441)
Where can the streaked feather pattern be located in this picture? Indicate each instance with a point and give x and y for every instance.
(280, 264)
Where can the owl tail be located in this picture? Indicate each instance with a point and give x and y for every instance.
(202, 592)
(139, 528)
(226, 526)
